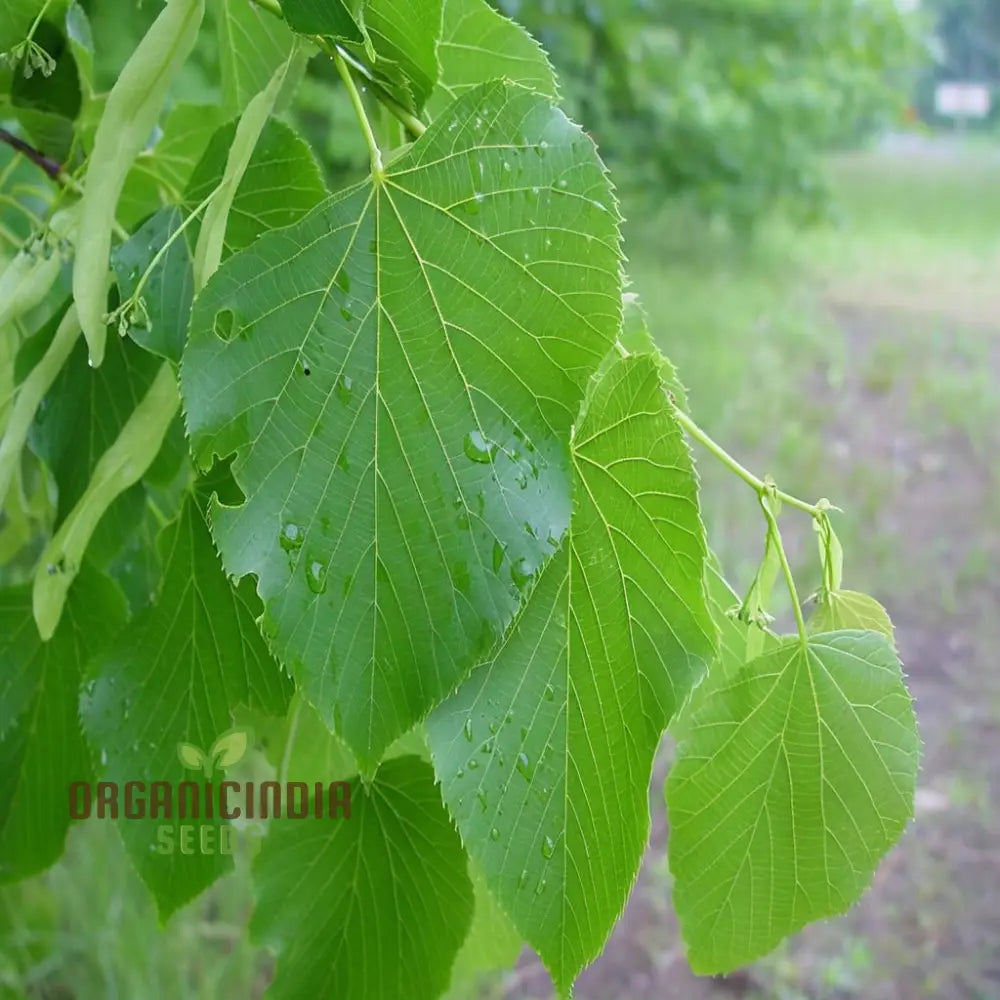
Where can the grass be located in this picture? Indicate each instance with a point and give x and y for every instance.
(859, 362)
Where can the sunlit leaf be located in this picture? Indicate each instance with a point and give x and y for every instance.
(477, 43)
(797, 776)
(847, 609)
(545, 754)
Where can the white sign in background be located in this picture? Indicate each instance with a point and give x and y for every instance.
(963, 100)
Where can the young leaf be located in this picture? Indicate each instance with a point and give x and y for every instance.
(41, 747)
(736, 638)
(405, 35)
(173, 676)
(847, 609)
(545, 754)
(478, 43)
(373, 906)
(797, 776)
(442, 312)
(190, 756)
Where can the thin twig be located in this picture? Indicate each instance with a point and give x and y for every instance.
(40, 160)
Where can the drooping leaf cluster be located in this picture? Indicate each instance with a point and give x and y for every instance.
(396, 471)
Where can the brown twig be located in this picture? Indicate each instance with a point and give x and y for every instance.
(50, 166)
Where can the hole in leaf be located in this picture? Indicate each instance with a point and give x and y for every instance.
(224, 323)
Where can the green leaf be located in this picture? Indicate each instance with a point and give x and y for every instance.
(849, 609)
(81, 43)
(477, 44)
(333, 18)
(79, 419)
(173, 676)
(545, 754)
(637, 339)
(405, 35)
(736, 638)
(492, 944)
(441, 316)
(42, 750)
(252, 45)
(373, 906)
(281, 161)
(160, 325)
(797, 777)
(84, 412)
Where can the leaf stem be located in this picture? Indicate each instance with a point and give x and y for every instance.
(133, 299)
(775, 535)
(759, 485)
(359, 110)
(404, 117)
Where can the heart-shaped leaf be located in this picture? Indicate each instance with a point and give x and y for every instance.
(398, 374)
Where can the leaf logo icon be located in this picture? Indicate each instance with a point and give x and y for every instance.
(229, 749)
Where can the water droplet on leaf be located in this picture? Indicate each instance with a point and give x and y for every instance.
(521, 573)
(291, 537)
(316, 576)
(478, 448)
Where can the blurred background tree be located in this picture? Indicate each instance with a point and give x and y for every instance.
(727, 103)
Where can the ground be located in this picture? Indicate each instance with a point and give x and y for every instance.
(859, 362)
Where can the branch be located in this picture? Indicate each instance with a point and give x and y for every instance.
(40, 160)
(761, 487)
